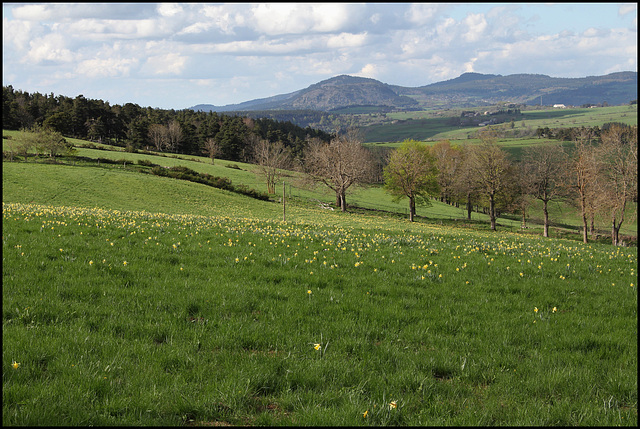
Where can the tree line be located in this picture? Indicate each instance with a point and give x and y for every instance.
(139, 128)
(598, 175)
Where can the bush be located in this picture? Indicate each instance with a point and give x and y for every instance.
(107, 161)
(146, 163)
(184, 173)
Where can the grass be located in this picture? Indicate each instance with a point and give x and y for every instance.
(439, 125)
(132, 299)
(135, 318)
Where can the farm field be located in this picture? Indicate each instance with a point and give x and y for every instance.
(429, 125)
(131, 299)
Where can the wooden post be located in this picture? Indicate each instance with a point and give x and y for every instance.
(284, 213)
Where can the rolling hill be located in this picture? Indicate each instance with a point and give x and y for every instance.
(467, 90)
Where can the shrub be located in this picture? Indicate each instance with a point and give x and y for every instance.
(146, 163)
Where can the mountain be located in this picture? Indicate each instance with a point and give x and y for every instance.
(467, 90)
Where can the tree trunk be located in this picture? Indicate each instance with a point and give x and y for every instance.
(469, 206)
(584, 222)
(343, 202)
(546, 218)
(492, 212)
(412, 208)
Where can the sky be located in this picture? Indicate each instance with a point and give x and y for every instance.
(177, 55)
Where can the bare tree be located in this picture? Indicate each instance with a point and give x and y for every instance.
(542, 172)
(490, 170)
(583, 169)
(464, 186)
(174, 135)
(271, 159)
(158, 136)
(448, 162)
(411, 173)
(212, 148)
(339, 164)
(617, 158)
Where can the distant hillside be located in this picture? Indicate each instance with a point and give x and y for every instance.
(476, 89)
(467, 90)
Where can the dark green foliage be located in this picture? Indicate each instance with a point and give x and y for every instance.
(128, 125)
(185, 173)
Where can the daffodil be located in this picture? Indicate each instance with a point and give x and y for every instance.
(554, 309)
(364, 415)
(15, 365)
(535, 309)
(317, 346)
(393, 405)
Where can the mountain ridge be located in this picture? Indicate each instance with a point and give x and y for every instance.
(466, 90)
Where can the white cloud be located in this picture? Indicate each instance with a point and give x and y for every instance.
(369, 70)
(273, 48)
(111, 67)
(169, 9)
(17, 33)
(476, 25)
(626, 8)
(167, 64)
(32, 12)
(298, 18)
(50, 48)
(344, 40)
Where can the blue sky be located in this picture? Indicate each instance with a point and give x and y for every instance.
(176, 55)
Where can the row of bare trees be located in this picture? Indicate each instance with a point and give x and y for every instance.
(598, 175)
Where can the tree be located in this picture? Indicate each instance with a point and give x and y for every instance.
(583, 180)
(490, 170)
(47, 141)
(617, 158)
(271, 158)
(174, 135)
(448, 163)
(158, 136)
(464, 187)
(411, 173)
(211, 148)
(338, 165)
(542, 172)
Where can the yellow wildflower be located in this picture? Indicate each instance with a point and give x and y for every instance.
(364, 415)
(317, 346)
(15, 365)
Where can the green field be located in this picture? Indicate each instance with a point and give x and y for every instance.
(438, 125)
(133, 299)
(564, 218)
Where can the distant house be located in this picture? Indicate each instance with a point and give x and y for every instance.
(559, 106)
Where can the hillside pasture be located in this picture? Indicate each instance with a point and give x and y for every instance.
(117, 317)
(134, 299)
(427, 125)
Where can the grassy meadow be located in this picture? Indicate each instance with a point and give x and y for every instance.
(438, 125)
(132, 299)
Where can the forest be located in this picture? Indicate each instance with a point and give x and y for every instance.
(133, 126)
